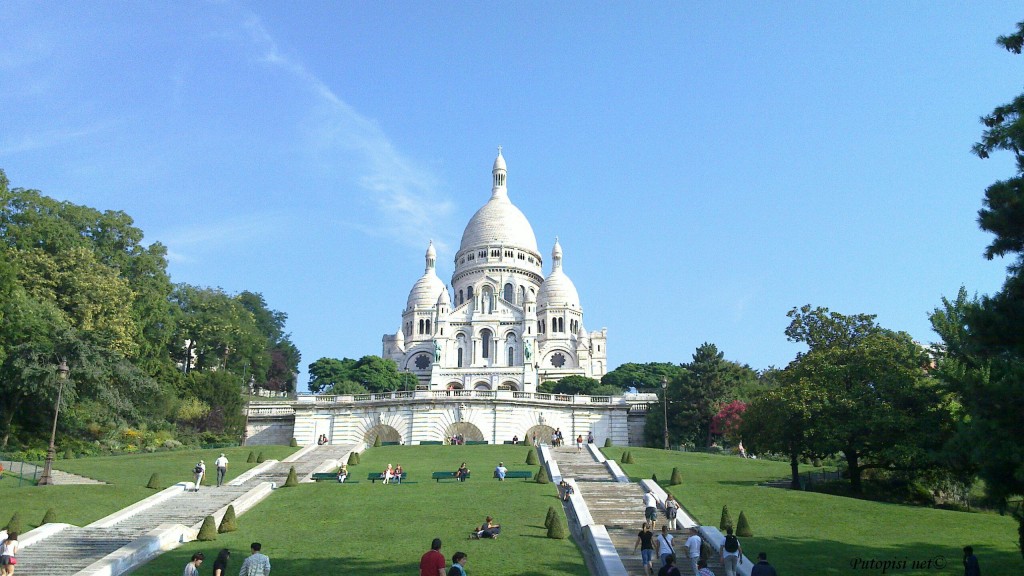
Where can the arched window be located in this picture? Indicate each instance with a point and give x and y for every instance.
(461, 299)
(554, 324)
(421, 326)
(522, 295)
(511, 356)
(460, 357)
(485, 344)
(428, 327)
(469, 292)
(508, 292)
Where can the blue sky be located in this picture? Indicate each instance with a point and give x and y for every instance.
(706, 166)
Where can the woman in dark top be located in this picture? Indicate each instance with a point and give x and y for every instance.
(645, 541)
(220, 565)
(462, 472)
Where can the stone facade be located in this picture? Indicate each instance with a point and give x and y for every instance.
(434, 416)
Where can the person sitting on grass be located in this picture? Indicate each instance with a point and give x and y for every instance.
(566, 490)
(462, 473)
(488, 529)
(342, 474)
(500, 471)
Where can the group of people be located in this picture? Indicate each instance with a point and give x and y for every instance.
(257, 564)
(662, 546)
(199, 471)
(457, 440)
(391, 475)
(322, 440)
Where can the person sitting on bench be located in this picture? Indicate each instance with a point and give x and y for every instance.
(388, 474)
(500, 471)
(342, 474)
(462, 473)
(488, 529)
(398, 474)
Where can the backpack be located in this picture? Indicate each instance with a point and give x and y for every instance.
(198, 469)
(731, 543)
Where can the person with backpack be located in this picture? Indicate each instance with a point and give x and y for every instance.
(732, 552)
(199, 471)
(669, 569)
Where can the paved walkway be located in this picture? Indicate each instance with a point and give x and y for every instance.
(75, 548)
(619, 507)
(28, 470)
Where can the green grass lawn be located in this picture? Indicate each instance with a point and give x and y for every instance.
(365, 528)
(127, 476)
(810, 533)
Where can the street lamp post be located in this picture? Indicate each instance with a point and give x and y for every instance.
(664, 398)
(62, 374)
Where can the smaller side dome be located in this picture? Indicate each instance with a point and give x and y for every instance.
(444, 299)
(558, 289)
(400, 336)
(428, 288)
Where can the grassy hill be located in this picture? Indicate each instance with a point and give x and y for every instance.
(811, 533)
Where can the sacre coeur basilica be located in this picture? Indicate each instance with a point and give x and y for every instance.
(479, 348)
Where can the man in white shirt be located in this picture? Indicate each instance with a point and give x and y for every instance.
(222, 468)
(500, 471)
(693, 548)
(650, 509)
(257, 564)
(663, 545)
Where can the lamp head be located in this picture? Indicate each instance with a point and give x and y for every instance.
(63, 370)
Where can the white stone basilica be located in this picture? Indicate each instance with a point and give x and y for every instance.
(503, 325)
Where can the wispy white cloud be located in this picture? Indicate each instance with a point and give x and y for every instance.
(45, 139)
(406, 196)
(182, 243)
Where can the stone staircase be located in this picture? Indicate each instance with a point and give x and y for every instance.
(619, 507)
(73, 549)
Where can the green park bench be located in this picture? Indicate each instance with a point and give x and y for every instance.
(516, 474)
(390, 443)
(374, 476)
(331, 477)
(431, 443)
(475, 442)
(438, 476)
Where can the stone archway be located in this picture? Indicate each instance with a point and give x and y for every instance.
(482, 385)
(509, 385)
(465, 429)
(544, 434)
(384, 432)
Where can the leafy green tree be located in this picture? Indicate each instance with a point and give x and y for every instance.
(584, 386)
(641, 376)
(991, 349)
(882, 411)
(347, 376)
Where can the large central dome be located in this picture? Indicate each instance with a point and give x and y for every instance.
(499, 222)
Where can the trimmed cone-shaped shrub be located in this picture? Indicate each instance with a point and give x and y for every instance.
(557, 529)
(294, 443)
(251, 458)
(624, 456)
(726, 521)
(14, 524)
(376, 441)
(743, 527)
(676, 479)
(542, 476)
(353, 459)
(154, 481)
(260, 458)
(654, 477)
(629, 458)
(228, 523)
(293, 479)
(531, 458)
(552, 517)
(208, 531)
(607, 442)
(50, 517)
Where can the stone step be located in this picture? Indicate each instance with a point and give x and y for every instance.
(73, 549)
